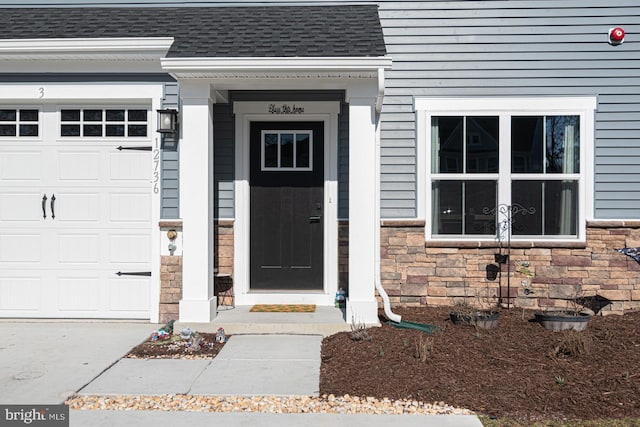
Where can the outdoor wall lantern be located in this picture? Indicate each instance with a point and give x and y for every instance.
(167, 121)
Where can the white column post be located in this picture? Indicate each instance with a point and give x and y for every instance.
(198, 302)
(362, 305)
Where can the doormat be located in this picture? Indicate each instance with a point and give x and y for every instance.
(284, 308)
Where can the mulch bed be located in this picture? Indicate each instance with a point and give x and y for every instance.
(175, 348)
(518, 370)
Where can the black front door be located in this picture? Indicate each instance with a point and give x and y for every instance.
(286, 197)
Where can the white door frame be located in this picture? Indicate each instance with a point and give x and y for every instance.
(245, 113)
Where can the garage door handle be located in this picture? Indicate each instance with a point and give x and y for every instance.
(44, 206)
(53, 205)
(134, 273)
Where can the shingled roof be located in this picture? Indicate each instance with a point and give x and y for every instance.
(273, 31)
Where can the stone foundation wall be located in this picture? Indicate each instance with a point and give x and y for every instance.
(223, 257)
(418, 274)
(171, 268)
(170, 287)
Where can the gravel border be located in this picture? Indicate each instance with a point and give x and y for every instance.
(266, 404)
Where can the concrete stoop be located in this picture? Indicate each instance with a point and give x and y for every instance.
(324, 321)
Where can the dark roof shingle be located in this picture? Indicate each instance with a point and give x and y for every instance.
(271, 31)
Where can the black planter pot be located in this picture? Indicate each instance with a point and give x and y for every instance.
(562, 321)
(481, 319)
(501, 258)
(492, 271)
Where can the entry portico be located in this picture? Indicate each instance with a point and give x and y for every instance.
(207, 81)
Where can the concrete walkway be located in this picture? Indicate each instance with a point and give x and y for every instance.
(251, 419)
(248, 365)
(46, 362)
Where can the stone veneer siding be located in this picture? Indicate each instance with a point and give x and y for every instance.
(223, 235)
(171, 267)
(170, 287)
(419, 273)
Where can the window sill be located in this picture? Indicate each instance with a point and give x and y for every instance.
(481, 244)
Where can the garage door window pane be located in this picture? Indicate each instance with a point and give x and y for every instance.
(70, 115)
(70, 130)
(7, 130)
(8, 115)
(137, 130)
(137, 115)
(28, 130)
(115, 130)
(92, 115)
(92, 130)
(115, 115)
(28, 115)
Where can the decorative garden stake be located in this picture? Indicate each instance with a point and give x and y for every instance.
(504, 227)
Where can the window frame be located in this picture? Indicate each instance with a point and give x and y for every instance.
(505, 108)
(103, 122)
(19, 122)
(280, 168)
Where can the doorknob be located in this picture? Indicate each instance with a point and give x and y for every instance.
(315, 218)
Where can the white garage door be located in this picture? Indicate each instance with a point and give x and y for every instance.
(74, 212)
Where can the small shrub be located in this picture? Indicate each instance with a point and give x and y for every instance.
(573, 344)
(359, 331)
(424, 348)
(560, 381)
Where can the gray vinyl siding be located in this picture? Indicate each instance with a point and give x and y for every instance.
(224, 161)
(515, 48)
(505, 48)
(343, 162)
(170, 161)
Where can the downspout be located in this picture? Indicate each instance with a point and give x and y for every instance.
(378, 282)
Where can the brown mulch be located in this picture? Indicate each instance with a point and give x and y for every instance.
(174, 348)
(518, 370)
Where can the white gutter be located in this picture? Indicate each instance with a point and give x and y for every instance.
(386, 305)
